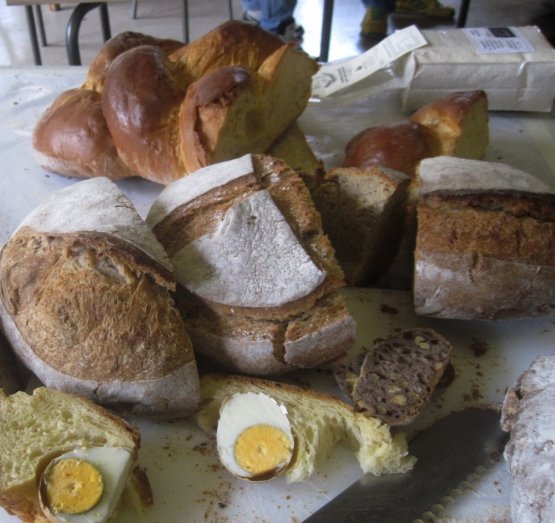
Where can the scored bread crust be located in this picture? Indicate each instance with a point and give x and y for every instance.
(49, 423)
(86, 304)
(306, 330)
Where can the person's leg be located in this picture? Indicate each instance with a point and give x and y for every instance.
(275, 16)
(425, 7)
(374, 23)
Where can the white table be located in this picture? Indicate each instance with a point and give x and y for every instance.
(188, 483)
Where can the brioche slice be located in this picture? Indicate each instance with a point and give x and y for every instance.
(319, 422)
(362, 213)
(396, 378)
(85, 301)
(529, 417)
(457, 125)
(484, 243)
(257, 277)
(34, 429)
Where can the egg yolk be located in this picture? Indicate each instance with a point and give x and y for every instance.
(261, 449)
(73, 486)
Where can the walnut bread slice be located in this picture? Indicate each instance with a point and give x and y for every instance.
(396, 378)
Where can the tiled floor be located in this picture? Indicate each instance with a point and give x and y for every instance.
(164, 18)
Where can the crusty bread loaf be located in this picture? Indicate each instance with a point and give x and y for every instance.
(395, 378)
(484, 244)
(530, 455)
(36, 428)
(147, 111)
(86, 305)
(362, 213)
(400, 146)
(257, 277)
(457, 125)
(319, 421)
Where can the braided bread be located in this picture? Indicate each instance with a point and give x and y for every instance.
(160, 109)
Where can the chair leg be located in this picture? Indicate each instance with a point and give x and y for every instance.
(33, 34)
(105, 22)
(134, 9)
(40, 22)
(72, 30)
(186, 21)
(230, 7)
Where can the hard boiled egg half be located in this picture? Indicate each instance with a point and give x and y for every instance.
(85, 484)
(254, 436)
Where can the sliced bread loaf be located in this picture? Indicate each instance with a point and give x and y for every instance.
(257, 277)
(319, 422)
(395, 379)
(362, 213)
(34, 429)
(456, 125)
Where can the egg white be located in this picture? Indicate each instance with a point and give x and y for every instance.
(114, 463)
(241, 411)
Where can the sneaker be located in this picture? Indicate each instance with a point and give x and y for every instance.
(374, 23)
(425, 7)
(289, 31)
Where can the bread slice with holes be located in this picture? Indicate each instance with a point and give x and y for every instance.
(86, 303)
(319, 422)
(395, 379)
(36, 428)
(258, 279)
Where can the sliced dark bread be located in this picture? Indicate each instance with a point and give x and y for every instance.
(396, 378)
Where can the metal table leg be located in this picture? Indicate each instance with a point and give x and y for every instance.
(326, 31)
(33, 34)
(463, 12)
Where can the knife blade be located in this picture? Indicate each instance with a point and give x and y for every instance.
(447, 452)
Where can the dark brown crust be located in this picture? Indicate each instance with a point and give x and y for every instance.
(399, 146)
(72, 138)
(140, 102)
(508, 225)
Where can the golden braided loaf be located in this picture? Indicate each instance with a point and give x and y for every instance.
(161, 109)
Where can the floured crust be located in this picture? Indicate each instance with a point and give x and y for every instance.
(303, 324)
(89, 311)
(530, 455)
